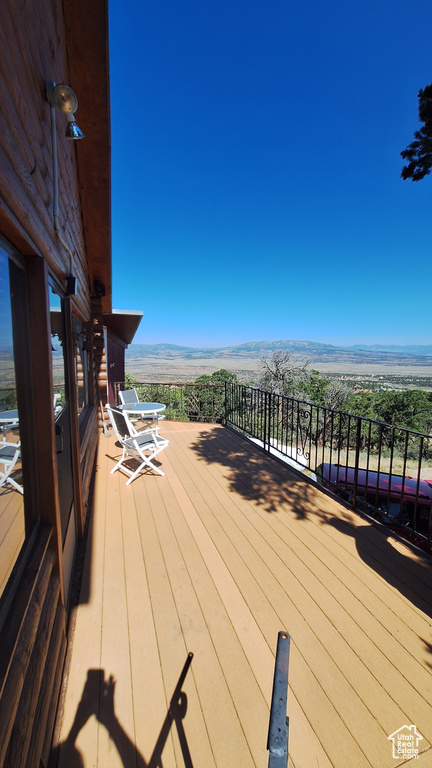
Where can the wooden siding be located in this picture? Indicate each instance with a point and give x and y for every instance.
(215, 558)
(36, 634)
(40, 41)
(32, 43)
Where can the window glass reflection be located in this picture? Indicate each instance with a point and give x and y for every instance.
(57, 350)
(12, 522)
(81, 364)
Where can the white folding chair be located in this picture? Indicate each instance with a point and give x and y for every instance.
(130, 397)
(57, 408)
(9, 455)
(135, 444)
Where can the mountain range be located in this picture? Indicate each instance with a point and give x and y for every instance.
(311, 350)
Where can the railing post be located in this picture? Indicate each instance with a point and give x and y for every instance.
(267, 427)
(225, 405)
(269, 419)
(357, 460)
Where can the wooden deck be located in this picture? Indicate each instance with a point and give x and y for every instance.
(214, 559)
(12, 521)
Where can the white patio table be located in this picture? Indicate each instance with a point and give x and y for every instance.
(9, 417)
(147, 411)
(143, 409)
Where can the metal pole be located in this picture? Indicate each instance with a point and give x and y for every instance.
(277, 741)
(356, 462)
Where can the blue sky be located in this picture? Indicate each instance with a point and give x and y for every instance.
(256, 189)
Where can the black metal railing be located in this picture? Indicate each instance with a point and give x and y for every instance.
(184, 402)
(373, 465)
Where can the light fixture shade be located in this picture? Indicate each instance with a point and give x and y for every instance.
(73, 132)
(63, 97)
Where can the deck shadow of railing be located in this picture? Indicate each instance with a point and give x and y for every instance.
(98, 699)
(257, 476)
(260, 478)
(412, 578)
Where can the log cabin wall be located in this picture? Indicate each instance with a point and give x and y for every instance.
(32, 36)
(41, 41)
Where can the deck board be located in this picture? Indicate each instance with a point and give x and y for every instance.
(215, 558)
(149, 698)
(330, 677)
(12, 530)
(190, 607)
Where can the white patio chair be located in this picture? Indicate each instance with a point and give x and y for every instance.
(57, 408)
(9, 455)
(130, 397)
(135, 444)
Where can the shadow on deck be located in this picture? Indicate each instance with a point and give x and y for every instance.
(214, 559)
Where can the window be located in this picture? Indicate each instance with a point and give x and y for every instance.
(12, 517)
(81, 357)
(58, 352)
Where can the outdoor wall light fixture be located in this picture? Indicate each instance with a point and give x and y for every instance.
(62, 97)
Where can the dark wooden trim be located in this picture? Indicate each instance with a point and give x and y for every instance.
(116, 339)
(40, 345)
(89, 76)
(70, 352)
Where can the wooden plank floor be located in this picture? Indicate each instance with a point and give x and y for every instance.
(12, 526)
(214, 559)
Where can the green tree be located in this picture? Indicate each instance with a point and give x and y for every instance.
(362, 404)
(218, 377)
(419, 152)
(130, 380)
(316, 386)
(411, 409)
(208, 394)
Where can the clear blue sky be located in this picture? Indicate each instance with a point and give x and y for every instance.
(256, 189)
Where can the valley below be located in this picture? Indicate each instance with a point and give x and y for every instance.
(360, 369)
